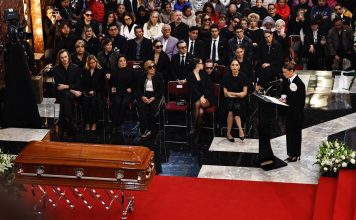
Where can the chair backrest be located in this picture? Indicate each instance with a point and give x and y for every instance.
(135, 64)
(221, 69)
(216, 93)
(177, 89)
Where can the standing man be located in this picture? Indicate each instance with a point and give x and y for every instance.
(217, 48)
(195, 46)
(169, 43)
(68, 82)
(294, 89)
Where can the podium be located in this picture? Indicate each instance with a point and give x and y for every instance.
(266, 158)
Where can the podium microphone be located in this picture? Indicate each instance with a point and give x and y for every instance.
(276, 81)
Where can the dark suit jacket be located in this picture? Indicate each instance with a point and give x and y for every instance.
(163, 65)
(93, 82)
(295, 100)
(119, 44)
(198, 48)
(180, 32)
(145, 52)
(309, 40)
(128, 7)
(223, 50)
(246, 42)
(177, 72)
(193, 86)
(157, 82)
(333, 41)
(69, 76)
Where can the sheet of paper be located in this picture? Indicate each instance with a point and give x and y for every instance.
(274, 100)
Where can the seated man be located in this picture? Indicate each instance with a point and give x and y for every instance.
(67, 78)
(139, 48)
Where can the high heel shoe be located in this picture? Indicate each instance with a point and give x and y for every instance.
(242, 138)
(292, 159)
(232, 140)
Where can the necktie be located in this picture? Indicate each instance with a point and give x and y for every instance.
(213, 57)
(239, 42)
(269, 50)
(191, 50)
(182, 61)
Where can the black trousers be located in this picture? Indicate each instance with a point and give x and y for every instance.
(66, 100)
(294, 137)
(91, 108)
(147, 113)
(119, 107)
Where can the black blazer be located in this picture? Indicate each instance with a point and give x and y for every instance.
(246, 42)
(178, 72)
(223, 50)
(93, 46)
(198, 48)
(119, 44)
(69, 76)
(122, 79)
(163, 65)
(180, 32)
(146, 49)
(309, 40)
(93, 82)
(157, 82)
(205, 88)
(271, 55)
(295, 100)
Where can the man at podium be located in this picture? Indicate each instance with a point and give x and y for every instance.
(293, 94)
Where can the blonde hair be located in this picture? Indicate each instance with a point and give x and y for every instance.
(92, 57)
(253, 17)
(79, 43)
(280, 22)
(147, 64)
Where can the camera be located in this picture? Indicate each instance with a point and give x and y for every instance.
(15, 30)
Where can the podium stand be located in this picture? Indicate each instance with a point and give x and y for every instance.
(266, 158)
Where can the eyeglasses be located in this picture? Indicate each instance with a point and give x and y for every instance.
(89, 15)
(158, 46)
(151, 67)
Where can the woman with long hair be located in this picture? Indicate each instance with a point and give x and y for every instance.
(149, 95)
(153, 28)
(92, 84)
(128, 29)
(161, 60)
(235, 85)
(109, 19)
(204, 32)
(210, 10)
(200, 87)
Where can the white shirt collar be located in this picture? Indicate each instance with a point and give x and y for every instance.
(292, 78)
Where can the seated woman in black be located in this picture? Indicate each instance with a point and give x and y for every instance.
(149, 95)
(235, 86)
(92, 85)
(161, 60)
(122, 84)
(200, 87)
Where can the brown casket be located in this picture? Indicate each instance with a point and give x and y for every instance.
(85, 165)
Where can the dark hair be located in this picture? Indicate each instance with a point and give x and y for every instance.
(130, 15)
(268, 31)
(214, 26)
(58, 61)
(154, 42)
(337, 19)
(105, 41)
(195, 62)
(193, 28)
(238, 26)
(209, 61)
(270, 5)
(234, 59)
(180, 42)
(209, 4)
(106, 17)
(113, 24)
(240, 46)
(290, 66)
(185, 8)
(138, 27)
(338, 4)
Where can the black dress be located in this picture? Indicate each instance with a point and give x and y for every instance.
(91, 103)
(201, 87)
(235, 84)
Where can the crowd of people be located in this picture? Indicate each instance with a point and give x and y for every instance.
(91, 41)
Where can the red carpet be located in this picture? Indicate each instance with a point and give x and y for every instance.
(325, 198)
(170, 198)
(345, 195)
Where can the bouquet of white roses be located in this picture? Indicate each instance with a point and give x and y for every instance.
(334, 155)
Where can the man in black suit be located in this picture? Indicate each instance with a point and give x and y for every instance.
(241, 40)
(217, 48)
(181, 63)
(195, 46)
(140, 48)
(179, 28)
(314, 47)
(119, 42)
(269, 60)
(67, 79)
(294, 89)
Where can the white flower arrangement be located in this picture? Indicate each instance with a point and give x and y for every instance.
(5, 161)
(334, 155)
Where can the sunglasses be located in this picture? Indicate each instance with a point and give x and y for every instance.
(151, 67)
(183, 47)
(89, 15)
(127, 19)
(236, 21)
(207, 19)
(158, 46)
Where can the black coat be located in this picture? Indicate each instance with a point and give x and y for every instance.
(93, 46)
(163, 65)
(108, 62)
(223, 50)
(93, 82)
(295, 100)
(122, 79)
(157, 82)
(69, 76)
(119, 44)
(67, 43)
(198, 48)
(145, 51)
(49, 33)
(246, 42)
(180, 32)
(80, 26)
(177, 71)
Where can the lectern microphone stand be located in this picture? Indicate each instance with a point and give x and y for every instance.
(266, 158)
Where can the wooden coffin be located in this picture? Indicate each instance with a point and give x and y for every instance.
(85, 165)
